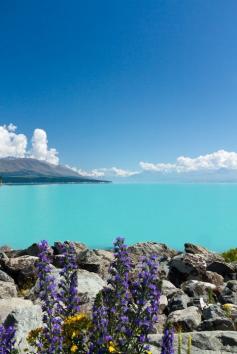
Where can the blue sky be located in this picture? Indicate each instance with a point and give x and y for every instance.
(114, 83)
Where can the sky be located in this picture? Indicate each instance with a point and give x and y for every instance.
(120, 87)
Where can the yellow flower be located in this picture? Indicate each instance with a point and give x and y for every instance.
(111, 348)
(74, 348)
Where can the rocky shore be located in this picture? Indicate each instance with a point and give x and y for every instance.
(199, 291)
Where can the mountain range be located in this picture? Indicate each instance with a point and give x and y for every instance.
(28, 170)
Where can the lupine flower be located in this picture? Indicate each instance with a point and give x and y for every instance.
(7, 340)
(168, 341)
(50, 341)
(68, 285)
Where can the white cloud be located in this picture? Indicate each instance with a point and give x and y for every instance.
(119, 172)
(214, 161)
(40, 149)
(102, 172)
(11, 143)
(93, 173)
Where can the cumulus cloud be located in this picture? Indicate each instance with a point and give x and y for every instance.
(40, 149)
(11, 143)
(220, 159)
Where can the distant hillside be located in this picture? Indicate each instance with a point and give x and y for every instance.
(27, 170)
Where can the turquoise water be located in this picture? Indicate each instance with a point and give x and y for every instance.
(96, 214)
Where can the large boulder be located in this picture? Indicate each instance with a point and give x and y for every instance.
(213, 342)
(167, 288)
(89, 284)
(187, 266)
(215, 318)
(7, 290)
(24, 320)
(97, 261)
(208, 255)
(196, 288)
(11, 304)
(161, 250)
(22, 270)
(187, 319)
(178, 301)
(227, 270)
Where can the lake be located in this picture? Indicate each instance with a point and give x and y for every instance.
(95, 214)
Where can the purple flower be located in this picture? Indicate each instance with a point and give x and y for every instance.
(50, 341)
(68, 285)
(168, 341)
(7, 341)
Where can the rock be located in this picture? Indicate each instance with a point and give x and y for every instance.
(3, 257)
(33, 250)
(78, 247)
(215, 318)
(7, 290)
(178, 301)
(187, 319)
(229, 293)
(161, 250)
(222, 268)
(161, 324)
(89, 284)
(196, 288)
(95, 261)
(214, 278)
(163, 303)
(5, 277)
(168, 288)
(24, 320)
(22, 270)
(11, 304)
(208, 255)
(187, 266)
(216, 342)
(6, 249)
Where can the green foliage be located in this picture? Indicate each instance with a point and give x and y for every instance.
(211, 299)
(230, 255)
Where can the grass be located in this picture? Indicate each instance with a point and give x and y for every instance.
(230, 255)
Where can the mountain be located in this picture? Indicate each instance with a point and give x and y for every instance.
(27, 170)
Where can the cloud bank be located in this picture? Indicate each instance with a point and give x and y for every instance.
(220, 159)
(13, 144)
(109, 172)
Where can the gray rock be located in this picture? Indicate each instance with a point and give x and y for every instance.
(208, 255)
(187, 319)
(214, 278)
(187, 266)
(22, 270)
(222, 268)
(196, 288)
(89, 284)
(5, 277)
(11, 304)
(168, 288)
(229, 293)
(161, 250)
(24, 320)
(215, 342)
(163, 303)
(78, 247)
(215, 318)
(96, 261)
(7, 290)
(178, 301)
